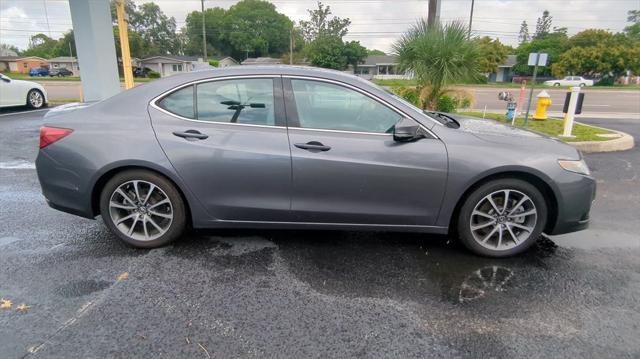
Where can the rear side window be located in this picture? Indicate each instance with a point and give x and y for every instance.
(247, 101)
(179, 102)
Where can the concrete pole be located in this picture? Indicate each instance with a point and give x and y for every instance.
(124, 45)
(433, 16)
(471, 18)
(95, 47)
(204, 35)
(571, 112)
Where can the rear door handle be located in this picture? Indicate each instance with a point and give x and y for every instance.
(313, 146)
(188, 134)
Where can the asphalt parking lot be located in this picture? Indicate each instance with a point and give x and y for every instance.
(76, 291)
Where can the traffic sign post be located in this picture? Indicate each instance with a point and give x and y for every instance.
(535, 60)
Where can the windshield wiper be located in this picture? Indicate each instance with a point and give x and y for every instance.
(446, 119)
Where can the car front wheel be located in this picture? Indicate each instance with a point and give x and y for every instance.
(143, 209)
(35, 99)
(502, 217)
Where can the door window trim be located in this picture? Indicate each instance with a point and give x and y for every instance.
(280, 117)
(292, 112)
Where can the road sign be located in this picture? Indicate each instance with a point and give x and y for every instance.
(542, 60)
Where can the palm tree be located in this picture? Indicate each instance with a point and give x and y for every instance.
(439, 56)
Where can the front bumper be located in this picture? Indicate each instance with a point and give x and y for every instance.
(574, 196)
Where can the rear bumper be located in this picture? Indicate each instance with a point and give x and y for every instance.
(574, 199)
(64, 188)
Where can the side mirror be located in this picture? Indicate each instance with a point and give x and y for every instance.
(406, 130)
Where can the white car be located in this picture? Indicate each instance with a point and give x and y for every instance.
(21, 93)
(570, 81)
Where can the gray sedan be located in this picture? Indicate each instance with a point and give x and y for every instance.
(287, 147)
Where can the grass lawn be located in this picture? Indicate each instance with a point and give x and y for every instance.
(550, 127)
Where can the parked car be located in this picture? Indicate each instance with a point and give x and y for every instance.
(141, 71)
(570, 81)
(289, 147)
(60, 72)
(39, 71)
(21, 93)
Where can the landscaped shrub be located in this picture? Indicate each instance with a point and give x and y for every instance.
(153, 75)
(454, 100)
(214, 63)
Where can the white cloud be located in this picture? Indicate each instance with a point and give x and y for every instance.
(375, 23)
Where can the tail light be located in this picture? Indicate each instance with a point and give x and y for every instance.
(49, 135)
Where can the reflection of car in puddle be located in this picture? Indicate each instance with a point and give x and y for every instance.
(484, 281)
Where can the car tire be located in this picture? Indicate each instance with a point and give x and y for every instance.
(141, 220)
(556, 84)
(35, 99)
(489, 228)
(582, 85)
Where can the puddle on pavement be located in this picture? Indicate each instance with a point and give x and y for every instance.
(81, 288)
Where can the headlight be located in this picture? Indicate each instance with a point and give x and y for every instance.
(575, 166)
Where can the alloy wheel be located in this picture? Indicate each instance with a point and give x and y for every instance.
(141, 210)
(35, 99)
(503, 219)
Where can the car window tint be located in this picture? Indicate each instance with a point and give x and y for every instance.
(327, 106)
(179, 102)
(248, 101)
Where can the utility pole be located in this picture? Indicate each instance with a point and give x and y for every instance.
(291, 47)
(533, 84)
(204, 34)
(124, 45)
(471, 18)
(433, 15)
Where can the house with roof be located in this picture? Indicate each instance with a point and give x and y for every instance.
(24, 64)
(261, 61)
(380, 67)
(504, 73)
(9, 63)
(167, 65)
(225, 61)
(66, 62)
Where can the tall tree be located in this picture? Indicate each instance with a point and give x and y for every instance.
(553, 44)
(6, 49)
(256, 27)
(41, 45)
(439, 56)
(543, 25)
(214, 20)
(633, 30)
(322, 24)
(492, 53)
(524, 36)
(375, 52)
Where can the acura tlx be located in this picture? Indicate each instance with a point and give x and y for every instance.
(289, 147)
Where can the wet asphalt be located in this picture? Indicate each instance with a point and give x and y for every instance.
(312, 293)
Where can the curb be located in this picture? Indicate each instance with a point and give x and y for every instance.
(623, 143)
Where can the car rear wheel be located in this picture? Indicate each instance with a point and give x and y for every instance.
(143, 209)
(582, 85)
(502, 218)
(35, 99)
(556, 84)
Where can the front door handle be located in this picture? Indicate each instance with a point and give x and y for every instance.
(188, 134)
(313, 146)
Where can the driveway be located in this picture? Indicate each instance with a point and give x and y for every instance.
(312, 293)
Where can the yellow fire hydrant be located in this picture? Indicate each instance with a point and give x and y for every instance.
(544, 102)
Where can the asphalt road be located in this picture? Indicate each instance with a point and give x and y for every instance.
(312, 293)
(597, 101)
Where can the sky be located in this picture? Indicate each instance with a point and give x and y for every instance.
(375, 23)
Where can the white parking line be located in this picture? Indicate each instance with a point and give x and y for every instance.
(21, 112)
(17, 165)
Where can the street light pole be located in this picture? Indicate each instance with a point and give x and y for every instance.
(471, 18)
(204, 34)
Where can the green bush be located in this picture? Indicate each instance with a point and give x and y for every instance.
(153, 75)
(452, 103)
(214, 63)
(410, 94)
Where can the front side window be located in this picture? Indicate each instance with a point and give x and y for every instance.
(179, 102)
(247, 101)
(323, 105)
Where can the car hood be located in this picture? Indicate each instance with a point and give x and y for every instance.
(26, 83)
(494, 132)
